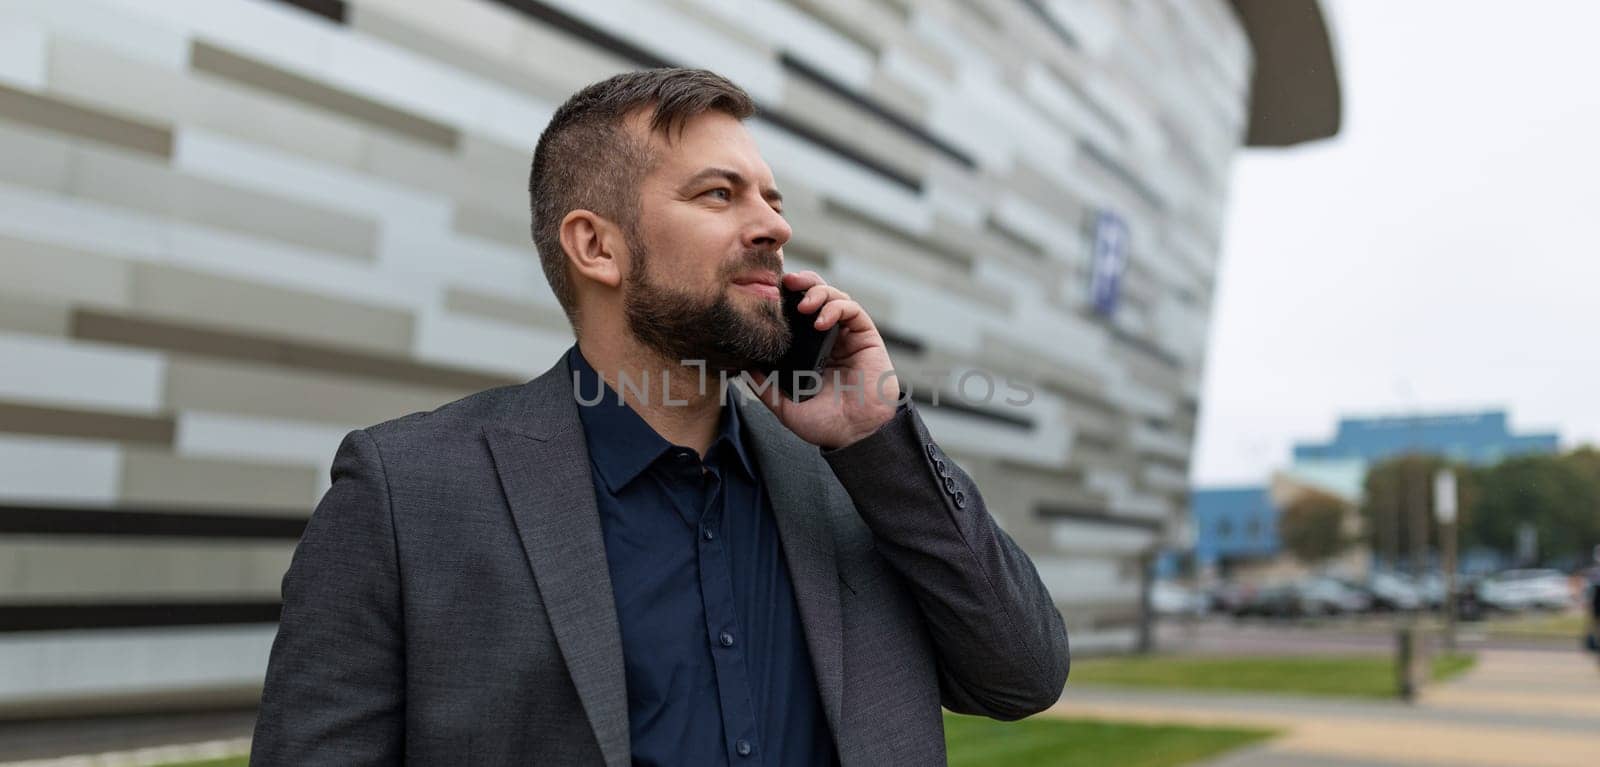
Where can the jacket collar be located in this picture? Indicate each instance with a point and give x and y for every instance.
(621, 443)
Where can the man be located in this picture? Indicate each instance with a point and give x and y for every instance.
(586, 570)
(1591, 606)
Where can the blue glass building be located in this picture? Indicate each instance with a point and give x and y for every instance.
(1230, 524)
(1479, 438)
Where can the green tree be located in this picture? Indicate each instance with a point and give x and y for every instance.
(1558, 495)
(1397, 486)
(1312, 526)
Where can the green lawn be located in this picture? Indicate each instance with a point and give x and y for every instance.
(1565, 627)
(1346, 676)
(1044, 742)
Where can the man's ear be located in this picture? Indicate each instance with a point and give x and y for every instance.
(594, 247)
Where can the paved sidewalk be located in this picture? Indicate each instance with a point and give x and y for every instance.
(1514, 709)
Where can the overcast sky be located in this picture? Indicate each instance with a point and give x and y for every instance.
(1440, 253)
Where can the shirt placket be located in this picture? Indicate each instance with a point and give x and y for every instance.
(723, 629)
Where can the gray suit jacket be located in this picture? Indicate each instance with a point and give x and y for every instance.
(449, 601)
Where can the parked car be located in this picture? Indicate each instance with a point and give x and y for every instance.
(1430, 588)
(1275, 601)
(1317, 596)
(1230, 597)
(1389, 592)
(1171, 599)
(1328, 596)
(1517, 590)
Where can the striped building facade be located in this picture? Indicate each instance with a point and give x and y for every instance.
(233, 230)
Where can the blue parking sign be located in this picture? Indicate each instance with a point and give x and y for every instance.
(1110, 259)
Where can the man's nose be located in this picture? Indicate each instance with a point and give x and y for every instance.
(768, 230)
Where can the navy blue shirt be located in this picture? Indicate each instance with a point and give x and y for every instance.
(715, 658)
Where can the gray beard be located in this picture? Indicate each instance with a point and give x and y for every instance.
(682, 326)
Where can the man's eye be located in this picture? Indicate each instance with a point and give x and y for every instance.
(727, 194)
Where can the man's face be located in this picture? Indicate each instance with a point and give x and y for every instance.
(706, 255)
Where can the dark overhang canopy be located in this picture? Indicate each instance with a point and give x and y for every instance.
(1294, 91)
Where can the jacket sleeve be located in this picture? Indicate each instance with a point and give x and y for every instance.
(334, 691)
(1001, 644)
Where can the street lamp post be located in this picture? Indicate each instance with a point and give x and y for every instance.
(1444, 509)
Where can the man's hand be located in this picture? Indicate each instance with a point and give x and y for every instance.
(833, 418)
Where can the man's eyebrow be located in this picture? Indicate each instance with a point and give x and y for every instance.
(734, 177)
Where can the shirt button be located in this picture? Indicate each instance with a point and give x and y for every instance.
(742, 747)
(726, 639)
(708, 533)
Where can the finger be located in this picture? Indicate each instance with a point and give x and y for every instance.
(802, 280)
(846, 312)
(819, 295)
(855, 319)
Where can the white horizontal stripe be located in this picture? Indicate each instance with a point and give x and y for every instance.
(911, 72)
(929, 26)
(57, 470)
(487, 28)
(785, 27)
(291, 267)
(953, 194)
(670, 34)
(487, 345)
(1050, 231)
(240, 163)
(129, 33)
(474, 263)
(31, 215)
(1046, 90)
(953, 320)
(1088, 24)
(1074, 536)
(988, 119)
(313, 48)
(60, 663)
(272, 31)
(1045, 447)
(111, 230)
(63, 372)
(202, 434)
(22, 53)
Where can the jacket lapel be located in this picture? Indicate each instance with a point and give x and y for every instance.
(790, 468)
(543, 462)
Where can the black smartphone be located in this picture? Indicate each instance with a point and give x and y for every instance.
(808, 350)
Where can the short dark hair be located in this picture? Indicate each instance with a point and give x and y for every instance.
(586, 159)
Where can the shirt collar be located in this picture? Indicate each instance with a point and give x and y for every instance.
(622, 443)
